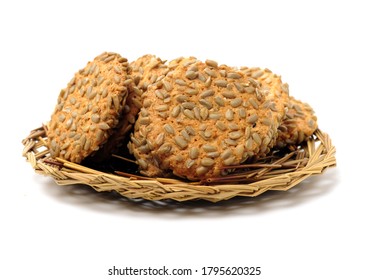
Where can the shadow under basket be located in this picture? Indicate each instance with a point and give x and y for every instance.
(280, 172)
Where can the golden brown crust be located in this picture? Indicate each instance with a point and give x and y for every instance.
(201, 119)
(88, 108)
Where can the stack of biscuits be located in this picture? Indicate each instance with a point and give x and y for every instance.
(187, 118)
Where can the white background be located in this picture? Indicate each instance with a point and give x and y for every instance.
(317, 230)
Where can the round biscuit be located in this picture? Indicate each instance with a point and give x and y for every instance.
(143, 72)
(88, 108)
(203, 118)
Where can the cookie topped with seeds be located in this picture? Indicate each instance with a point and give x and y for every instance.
(89, 108)
(299, 123)
(143, 72)
(203, 118)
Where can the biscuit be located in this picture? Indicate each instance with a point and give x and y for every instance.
(298, 125)
(89, 108)
(203, 118)
(143, 72)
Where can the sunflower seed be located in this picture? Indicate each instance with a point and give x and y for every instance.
(194, 68)
(211, 63)
(194, 152)
(252, 119)
(191, 75)
(273, 107)
(190, 130)
(189, 163)
(249, 143)
(229, 94)
(256, 138)
(180, 141)
(236, 102)
(285, 87)
(168, 86)
(61, 118)
(229, 161)
(135, 101)
(239, 150)
(109, 58)
(169, 129)
(202, 77)
(196, 112)
(221, 83)
(159, 140)
(53, 144)
(266, 121)
(223, 73)
(242, 113)
(226, 154)
(235, 135)
(104, 126)
(215, 116)
(188, 105)
(185, 135)
(162, 108)
(206, 103)
(203, 126)
(229, 115)
(210, 72)
(219, 100)
(207, 93)
(68, 123)
(220, 125)
(145, 121)
(181, 98)
(253, 103)
(153, 78)
(65, 146)
(233, 126)
(159, 94)
(192, 91)
(189, 114)
(239, 87)
(207, 162)
(257, 74)
(87, 145)
(266, 141)
(99, 135)
(175, 111)
(208, 82)
(95, 118)
(209, 148)
(233, 75)
(208, 133)
(201, 170)
(230, 142)
(144, 149)
(201, 114)
(180, 82)
(250, 89)
(142, 163)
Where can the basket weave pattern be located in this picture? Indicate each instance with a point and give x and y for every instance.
(280, 174)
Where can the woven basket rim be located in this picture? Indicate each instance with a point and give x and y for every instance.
(311, 158)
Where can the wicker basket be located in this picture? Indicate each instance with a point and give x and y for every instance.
(279, 172)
